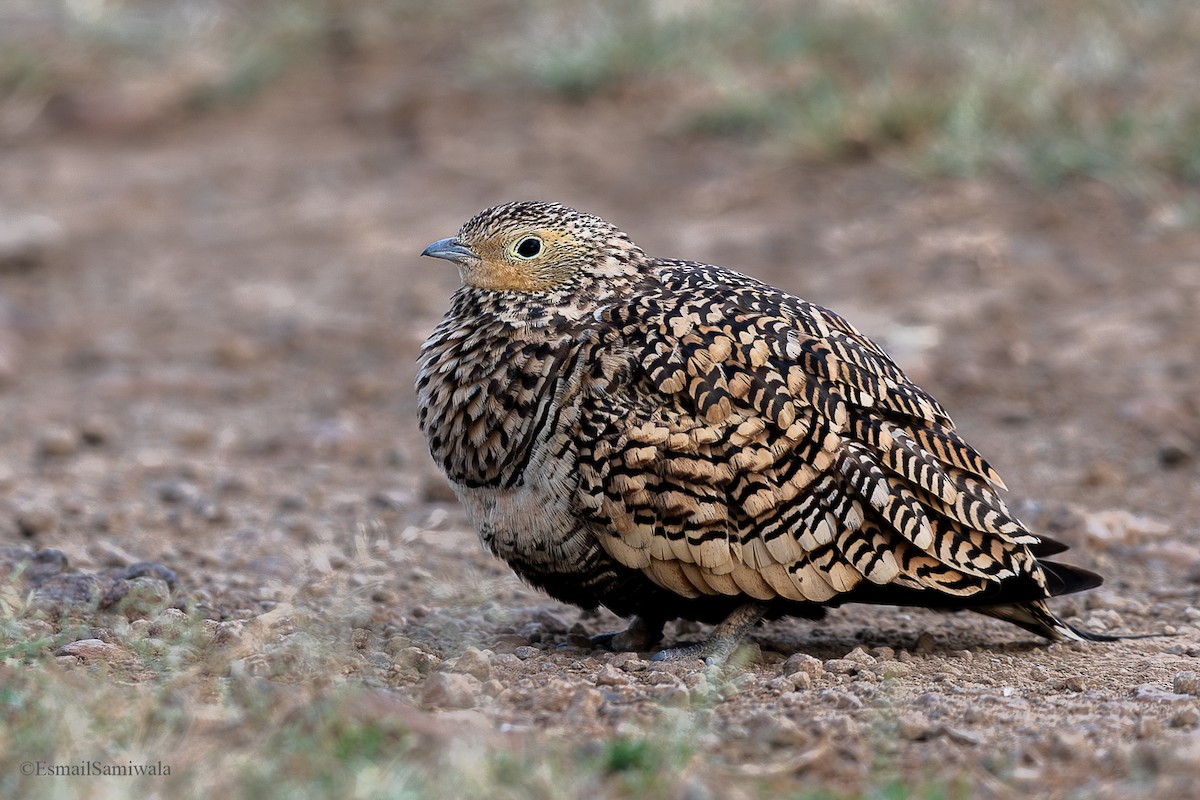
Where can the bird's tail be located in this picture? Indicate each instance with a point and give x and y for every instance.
(1036, 617)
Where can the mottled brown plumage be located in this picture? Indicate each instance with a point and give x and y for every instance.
(671, 439)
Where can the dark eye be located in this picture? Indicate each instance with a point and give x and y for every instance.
(529, 247)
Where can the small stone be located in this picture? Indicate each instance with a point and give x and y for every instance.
(145, 596)
(925, 643)
(1039, 674)
(1186, 682)
(57, 442)
(676, 696)
(913, 727)
(228, 632)
(176, 491)
(782, 684)
(836, 698)
(1187, 718)
(474, 662)
(1148, 728)
(360, 639)
(802, 662)
(611, 676)
(170, 624)
(1148, 691)
(892, 669)
(586, 702)
(842, 666)
(860, 657)
(415, 658)
(152, 570)
(658, 677)
(525, 651)
(235, 351)
(451, 690)
(29, 241)
(96, 431)
(35, 520)
(1075, 683)
(89, 650)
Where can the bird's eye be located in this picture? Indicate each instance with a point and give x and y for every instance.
(529, 247)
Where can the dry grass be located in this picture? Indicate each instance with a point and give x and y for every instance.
(295, 704)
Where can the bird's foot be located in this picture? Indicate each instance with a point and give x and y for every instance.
(725, 638)
(642, 634)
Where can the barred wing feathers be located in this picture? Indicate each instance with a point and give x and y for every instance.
(760, 445)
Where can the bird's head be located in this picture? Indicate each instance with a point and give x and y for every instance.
(537, 247)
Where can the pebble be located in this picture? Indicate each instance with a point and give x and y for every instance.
(150, 569)
(451, 690)
(34, 520)
(782, 684)
(57, 442)
(29, 240)
(146, 596)
(474, 662)
(1075, 683)
(96, 431)
(1148, 691)
(525, 651)
(1148, 728)
(170, 624)
(1187, 682)
(1187, 718)
(228, 632)
(842, 666)
(675, 696)
(892, 669)
(802, 662)
(586, 702)
(415, 658)
(611, 676)
(88, 650)
(836, 698)
(913, 727)
(860, 657)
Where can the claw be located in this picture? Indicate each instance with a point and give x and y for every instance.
(642, 634)
(725, 638)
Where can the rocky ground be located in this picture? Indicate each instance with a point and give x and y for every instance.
(207, 419)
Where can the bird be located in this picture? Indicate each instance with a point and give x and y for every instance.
(675, 440)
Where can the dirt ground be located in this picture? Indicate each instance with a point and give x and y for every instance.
(212, 371)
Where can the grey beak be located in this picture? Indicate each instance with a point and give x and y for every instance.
(450, 249)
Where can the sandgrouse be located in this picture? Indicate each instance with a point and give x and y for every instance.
(675, 440)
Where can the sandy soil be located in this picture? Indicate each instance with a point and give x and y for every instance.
(212, 371)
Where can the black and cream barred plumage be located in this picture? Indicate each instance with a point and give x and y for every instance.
(676, 440)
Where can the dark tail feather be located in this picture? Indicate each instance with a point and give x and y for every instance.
(1065, 579)
(1036, 617)
(1047, 547)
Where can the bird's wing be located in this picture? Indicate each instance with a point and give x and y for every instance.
(759, 445)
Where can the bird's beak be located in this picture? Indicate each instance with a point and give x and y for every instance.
(452, 250)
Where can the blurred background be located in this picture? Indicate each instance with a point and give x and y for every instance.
(211, 300)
